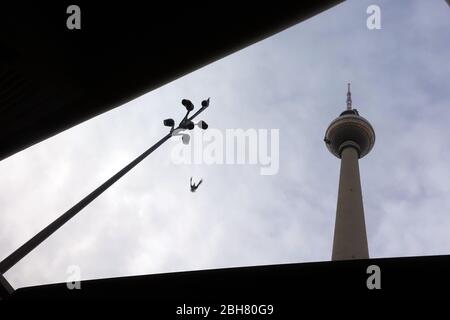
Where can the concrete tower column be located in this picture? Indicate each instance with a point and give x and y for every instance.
(350, 239)
(350, 137)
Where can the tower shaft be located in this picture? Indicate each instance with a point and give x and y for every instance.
(350, 239)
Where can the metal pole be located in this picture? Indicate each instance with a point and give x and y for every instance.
(5, 288)
(28, 246)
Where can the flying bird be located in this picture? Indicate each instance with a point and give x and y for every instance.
(195, 186)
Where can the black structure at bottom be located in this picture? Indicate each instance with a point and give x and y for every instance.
(411, 277)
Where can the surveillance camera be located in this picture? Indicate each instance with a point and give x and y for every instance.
(188, 104)
(205, 103)
(202, 124)
(185, 138)
(169, 122)
(190, 125)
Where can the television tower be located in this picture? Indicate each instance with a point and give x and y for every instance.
(350, 137)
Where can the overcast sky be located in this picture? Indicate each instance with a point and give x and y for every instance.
(149, 222)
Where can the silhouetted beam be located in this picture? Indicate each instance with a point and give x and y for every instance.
(407, 277)
(52, 78)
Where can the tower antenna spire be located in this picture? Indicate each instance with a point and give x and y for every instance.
(349, 98)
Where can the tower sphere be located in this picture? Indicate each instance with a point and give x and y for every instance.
(350, 129)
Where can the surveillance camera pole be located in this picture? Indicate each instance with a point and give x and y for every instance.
(28, 246)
